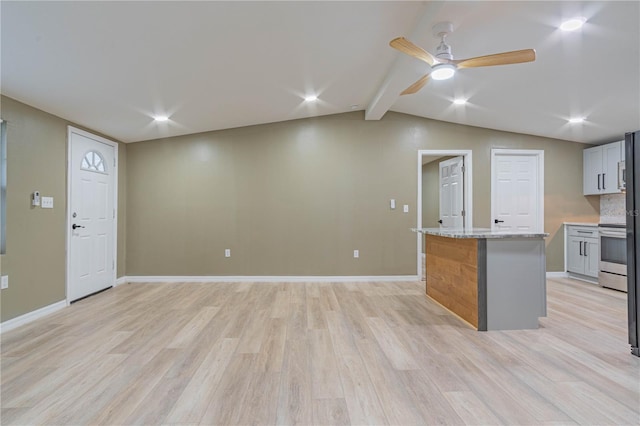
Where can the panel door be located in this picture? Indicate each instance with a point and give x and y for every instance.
(592, 164)
(612, 155)
(592, 257)
(445, 196)
(575, 258)
(515, 183)
(92, 221)
(452, 193)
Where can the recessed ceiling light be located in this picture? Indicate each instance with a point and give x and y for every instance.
(576, 120)
(161, 118)
(572, 24)
(460, 101)
(311, 98)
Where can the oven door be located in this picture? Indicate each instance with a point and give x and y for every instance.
(613, 252)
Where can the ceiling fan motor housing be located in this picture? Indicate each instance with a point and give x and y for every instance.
(442, 29)
(443, 51)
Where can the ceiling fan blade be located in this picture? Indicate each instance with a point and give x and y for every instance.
(515, 57)
(405, 46)
(416, 86)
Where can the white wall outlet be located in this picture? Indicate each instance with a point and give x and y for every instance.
(392, 203)
(405, 208)
(4, 281)
(47, 202)
(356, 254)
(227, 252)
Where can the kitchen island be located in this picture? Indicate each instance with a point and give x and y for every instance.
(494, 280)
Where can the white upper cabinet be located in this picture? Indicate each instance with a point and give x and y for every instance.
(601, 168)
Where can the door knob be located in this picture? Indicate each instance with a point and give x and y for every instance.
(498, 221)
(74, 226)
(440, 221)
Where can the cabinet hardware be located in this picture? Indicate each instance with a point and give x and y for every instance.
(603, 186)
(599, 181)
(585, 249)
(498, 221)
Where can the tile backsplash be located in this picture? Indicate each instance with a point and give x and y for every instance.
(613, 208)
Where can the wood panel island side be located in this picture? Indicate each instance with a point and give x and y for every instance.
(492, 280)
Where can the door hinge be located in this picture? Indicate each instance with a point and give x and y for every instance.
(463, 213)
(463, 169)
(114, 213)
(113, 264)
(114, 161)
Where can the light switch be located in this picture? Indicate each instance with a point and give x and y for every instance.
(405, 208)
(356, 254)
(393, 204)
(227, 252)
(47, 202)
(4, 281)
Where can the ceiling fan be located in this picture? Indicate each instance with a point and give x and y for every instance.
(443, 66)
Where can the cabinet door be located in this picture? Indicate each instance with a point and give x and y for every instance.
(575, 259)
(592, 259)
(611, 156)
(592, 164)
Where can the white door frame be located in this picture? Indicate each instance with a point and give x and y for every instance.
(71, 130)
(467, 154)
(539, 153)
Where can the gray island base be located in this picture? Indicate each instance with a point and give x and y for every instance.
(492, 280)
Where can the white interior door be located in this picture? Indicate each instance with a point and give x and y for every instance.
(517, 202)
(92, 214)
(452, 193)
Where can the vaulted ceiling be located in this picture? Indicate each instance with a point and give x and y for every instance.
(111, 66)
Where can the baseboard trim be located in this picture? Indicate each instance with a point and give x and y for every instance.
(584, 278)
(32, 316)
(557, 274)
(268, 278)
(120, 281)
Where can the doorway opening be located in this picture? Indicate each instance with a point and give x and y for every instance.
(467, 221)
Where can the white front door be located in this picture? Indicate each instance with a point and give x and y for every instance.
(92, 214)
(517, 190)
(452, 193)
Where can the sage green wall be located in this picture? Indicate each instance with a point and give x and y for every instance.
(297, 197)
(36, 238)
(292, 198)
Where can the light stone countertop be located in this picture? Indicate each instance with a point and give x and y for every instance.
(478, 233)
(581, 223)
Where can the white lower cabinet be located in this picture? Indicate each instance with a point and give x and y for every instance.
(583, 251)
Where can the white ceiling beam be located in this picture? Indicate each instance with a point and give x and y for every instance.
(405, 70)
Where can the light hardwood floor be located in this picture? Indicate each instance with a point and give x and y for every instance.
(317, 353)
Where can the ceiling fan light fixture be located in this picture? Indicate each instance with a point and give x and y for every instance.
(460, 101)
(311, 98)
(442, 71)
(576, 120)
(572, 24)
(160, 118)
